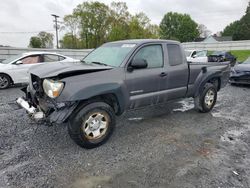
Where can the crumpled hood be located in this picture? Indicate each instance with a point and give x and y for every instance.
(64, 69)
(242, 68)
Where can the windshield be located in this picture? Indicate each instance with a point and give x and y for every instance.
(7, 61)
(188, 53)
(111, 54)
(247, 61)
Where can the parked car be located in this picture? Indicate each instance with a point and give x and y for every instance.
(222, 56)
(15, 69)
(114, 78)
(196, 55)
(240, 73)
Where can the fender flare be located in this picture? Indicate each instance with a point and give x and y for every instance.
(89, 92)
(203, 78)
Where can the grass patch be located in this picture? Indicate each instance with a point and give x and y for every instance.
(241, 55)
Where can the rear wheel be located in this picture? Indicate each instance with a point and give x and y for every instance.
(5, 81)
(206, 100)
(92, 125)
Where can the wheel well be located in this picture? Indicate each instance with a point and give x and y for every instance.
(216, 81)
(110, 99)
(11, 80)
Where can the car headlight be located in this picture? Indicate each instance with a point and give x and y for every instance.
(52, 88)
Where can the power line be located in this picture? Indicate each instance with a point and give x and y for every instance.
(23, 32)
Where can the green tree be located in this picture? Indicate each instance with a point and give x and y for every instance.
(178, 27)
(231, 29)
(94, 22)
(35, 42)
(154, 31)
(119, 18)
(46, 39)
(240, 29)
(71, 22)
(243, 30)
(140, 27)
(42, 40)
(136, 27)
(70, 41)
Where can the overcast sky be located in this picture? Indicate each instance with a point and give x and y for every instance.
(17, 17)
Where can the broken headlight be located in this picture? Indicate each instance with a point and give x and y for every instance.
(52, 88)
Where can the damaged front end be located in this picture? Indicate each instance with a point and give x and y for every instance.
(240, 78)
(42, 108)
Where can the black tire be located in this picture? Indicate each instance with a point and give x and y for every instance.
(6, 81)
(201, 104)
(78, 122)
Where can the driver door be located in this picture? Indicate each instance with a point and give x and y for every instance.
(22, 66)
(144, 84)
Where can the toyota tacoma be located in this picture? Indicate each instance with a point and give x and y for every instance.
(117, 77)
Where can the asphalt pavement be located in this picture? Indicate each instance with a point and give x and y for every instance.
(170, 145)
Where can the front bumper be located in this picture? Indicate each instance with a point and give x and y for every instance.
(43, 109)
(240, 78)
(31, 110)
(239, 81)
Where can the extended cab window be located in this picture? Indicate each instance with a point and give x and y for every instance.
(174, 54)
(152, 54)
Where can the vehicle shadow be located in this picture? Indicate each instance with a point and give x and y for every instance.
(17, 86)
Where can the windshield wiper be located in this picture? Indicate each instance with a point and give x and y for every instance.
(94, 62)
(99, 63)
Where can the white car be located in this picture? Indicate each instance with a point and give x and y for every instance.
(15, 70)
(197, 56)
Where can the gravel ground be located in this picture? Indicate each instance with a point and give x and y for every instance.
(164, 146)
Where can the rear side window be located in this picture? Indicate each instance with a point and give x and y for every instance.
(152, 54)
(52, 58)
(174, 54)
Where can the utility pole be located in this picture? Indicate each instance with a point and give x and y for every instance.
(55, 16)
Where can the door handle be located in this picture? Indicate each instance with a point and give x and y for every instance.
(163, 74)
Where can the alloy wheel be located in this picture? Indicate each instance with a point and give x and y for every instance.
(95, 126)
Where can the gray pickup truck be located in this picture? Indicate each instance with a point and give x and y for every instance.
(114, 78)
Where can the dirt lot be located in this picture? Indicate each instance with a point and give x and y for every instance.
(171, 146)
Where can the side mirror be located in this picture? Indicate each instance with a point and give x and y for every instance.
(194, 56)
(19, 62)
(139, 64)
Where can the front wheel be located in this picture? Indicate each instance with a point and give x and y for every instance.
(92, 125)
(206, 100)
(4, 81)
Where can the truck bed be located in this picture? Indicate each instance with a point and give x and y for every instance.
(198, 69)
